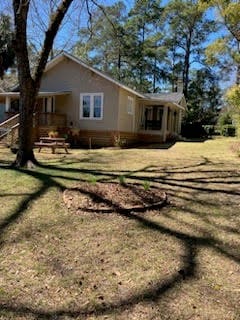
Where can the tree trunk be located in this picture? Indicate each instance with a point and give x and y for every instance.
(28, 88)
(119, 63)
(186, 76)
(186, 66)
(154, 75)
(26, 137)
(238, 65)
(29, 85)
(141, 67)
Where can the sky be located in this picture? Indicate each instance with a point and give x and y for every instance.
(76, 18)
(39, 15)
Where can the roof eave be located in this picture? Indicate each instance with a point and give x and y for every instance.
(179, 106)
(40, 94)
(163, 101)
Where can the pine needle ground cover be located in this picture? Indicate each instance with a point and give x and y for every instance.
(180, 260)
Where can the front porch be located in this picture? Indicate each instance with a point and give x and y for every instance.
(160, 115)
(48, 115)
(44, 118)
(47, 111)
(159, 121)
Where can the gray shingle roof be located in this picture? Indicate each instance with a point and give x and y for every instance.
(174, 97)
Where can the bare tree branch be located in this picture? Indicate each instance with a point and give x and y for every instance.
(55, 22)
(105, 14)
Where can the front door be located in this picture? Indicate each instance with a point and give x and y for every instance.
(46, 107)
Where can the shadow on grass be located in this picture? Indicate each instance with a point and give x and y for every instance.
(189, 266)
(162, 146)
(197, 139)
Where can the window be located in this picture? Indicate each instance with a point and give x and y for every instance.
(130, 105)
(91, 106)
(86, 104)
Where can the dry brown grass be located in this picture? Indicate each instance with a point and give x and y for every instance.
(178, 262)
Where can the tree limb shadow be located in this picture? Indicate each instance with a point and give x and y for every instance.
(187, 271)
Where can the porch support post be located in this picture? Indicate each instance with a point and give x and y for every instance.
(179, 121)
(49, 104)
(164, 123)
(170, 120)
(7, 103)
(134, 116)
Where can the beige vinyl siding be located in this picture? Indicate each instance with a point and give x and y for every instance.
(126, 121)
(70, 76)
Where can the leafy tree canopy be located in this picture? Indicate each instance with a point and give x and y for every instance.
(6, 49)
(224, 52)
(233, 97)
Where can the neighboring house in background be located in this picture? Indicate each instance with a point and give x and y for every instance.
(78, 98)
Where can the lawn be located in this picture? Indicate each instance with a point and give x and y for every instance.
(179, 261)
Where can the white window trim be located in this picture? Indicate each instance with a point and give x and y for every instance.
(130, 105)
(91, 105)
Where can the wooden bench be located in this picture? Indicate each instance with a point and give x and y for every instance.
(52, 145)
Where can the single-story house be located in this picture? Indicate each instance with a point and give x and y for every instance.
(91, 105)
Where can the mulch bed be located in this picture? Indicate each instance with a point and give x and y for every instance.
(112, 197)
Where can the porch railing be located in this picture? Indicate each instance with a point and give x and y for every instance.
(50, 119)
(9, 130)
(44, 119)
(40, 119)
(10, 122)
(10, 114)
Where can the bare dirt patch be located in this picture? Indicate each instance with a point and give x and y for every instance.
(111, 197)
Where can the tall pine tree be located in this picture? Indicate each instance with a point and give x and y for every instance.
(102, 42)
(224, 52)
(190, 28)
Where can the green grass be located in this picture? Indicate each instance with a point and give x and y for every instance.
(179, 262)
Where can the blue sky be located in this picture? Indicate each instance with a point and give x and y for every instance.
(76, 17)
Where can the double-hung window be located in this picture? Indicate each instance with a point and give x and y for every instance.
(91, 106)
